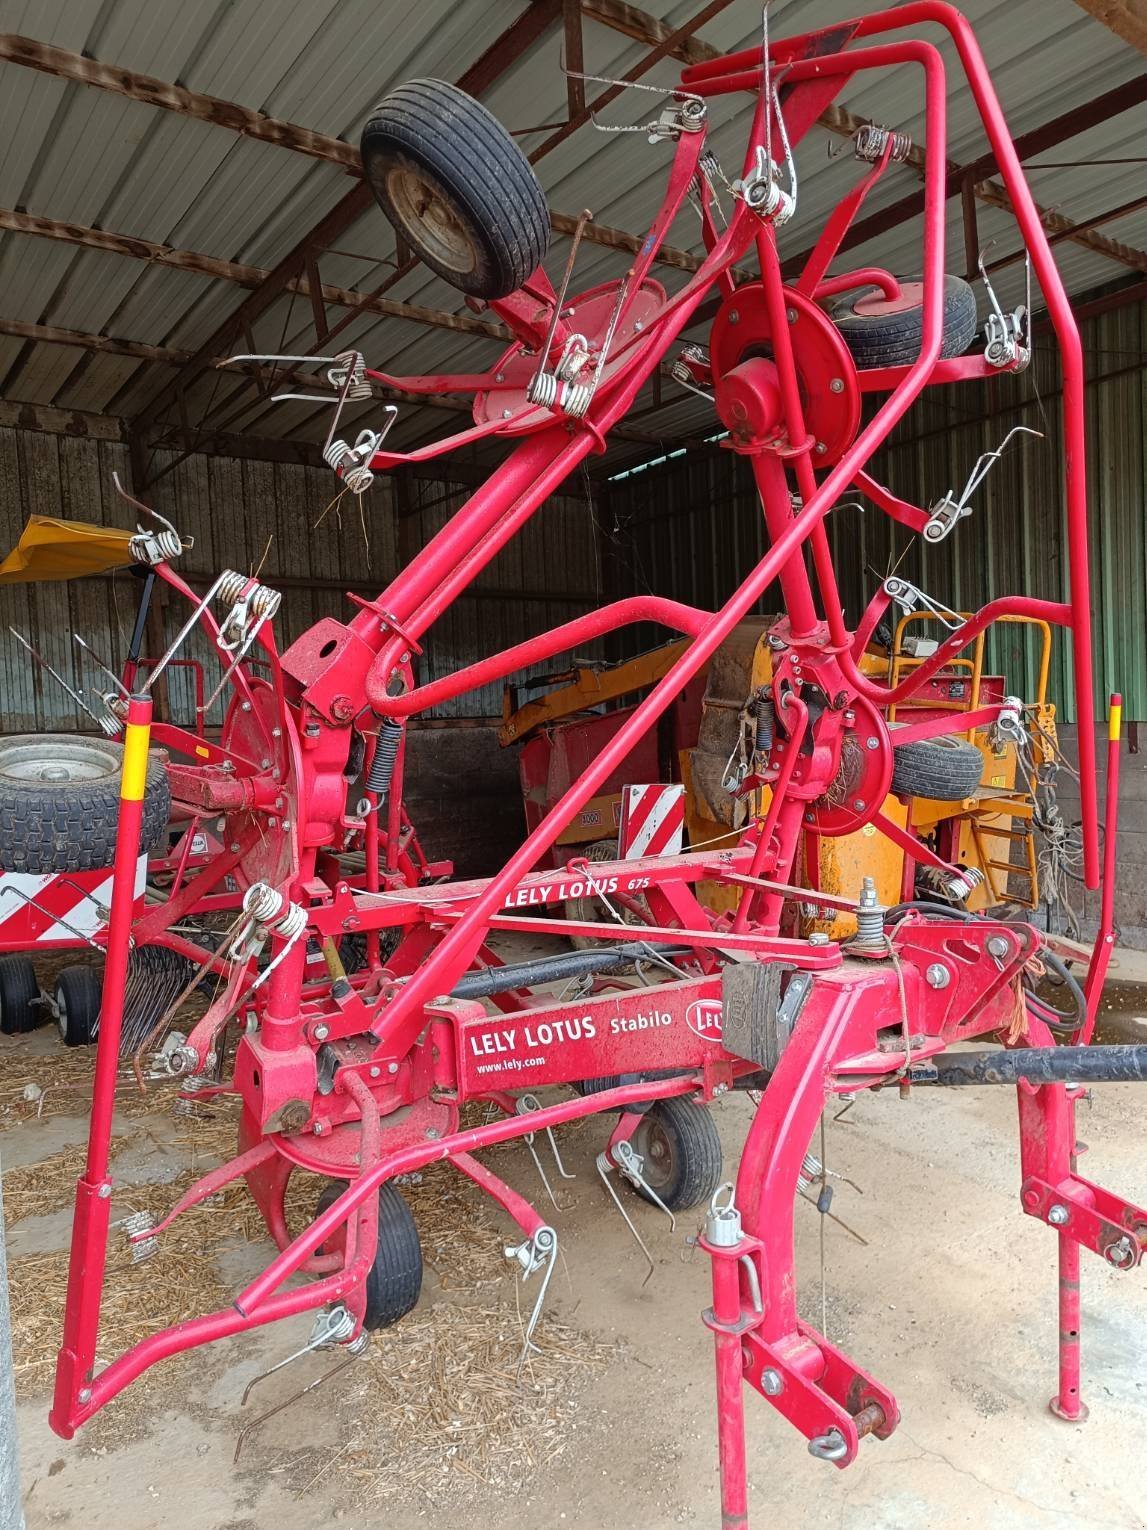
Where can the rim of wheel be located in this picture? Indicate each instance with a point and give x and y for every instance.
(656, 1147)
(55, 762)
(61, 1014)
(430, 221)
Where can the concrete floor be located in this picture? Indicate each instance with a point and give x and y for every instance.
(951, 1303)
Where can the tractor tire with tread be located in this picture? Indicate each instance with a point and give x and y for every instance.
(456, 187)
(682, 1151)
(893, 339)
(945, 768)
(78, 995)
(395, 1279)
(59, 802)
(19, 990)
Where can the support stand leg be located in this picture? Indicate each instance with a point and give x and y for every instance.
(1067, 1403)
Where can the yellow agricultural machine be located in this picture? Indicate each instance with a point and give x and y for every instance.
(713, 739)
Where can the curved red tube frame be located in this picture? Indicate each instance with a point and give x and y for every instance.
(537, 466)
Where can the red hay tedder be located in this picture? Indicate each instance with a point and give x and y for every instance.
(360, 1076)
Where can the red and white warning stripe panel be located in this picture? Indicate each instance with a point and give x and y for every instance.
(652, 821)
(58, 908)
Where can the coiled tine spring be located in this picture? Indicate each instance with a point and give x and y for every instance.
(872, 139)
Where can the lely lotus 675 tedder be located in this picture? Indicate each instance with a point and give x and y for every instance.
(358, 1077)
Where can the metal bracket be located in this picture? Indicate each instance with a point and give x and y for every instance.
(1008, 334)
(909, 596)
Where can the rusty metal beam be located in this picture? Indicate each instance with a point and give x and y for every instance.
(1124, 210)
(659, 50)
(63, 65)
(1126, 18)
(244, 276)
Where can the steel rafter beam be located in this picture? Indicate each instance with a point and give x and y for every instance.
(1126, 18)
(62, 64)
(499, 56)
(241, 275)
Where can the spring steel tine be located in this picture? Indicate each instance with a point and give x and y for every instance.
(557, 1156)
(99, 663)
(545, 1250)
(260, 1419)
(603, 1168)
(76, 696)
(525, 1105)
(55, 918)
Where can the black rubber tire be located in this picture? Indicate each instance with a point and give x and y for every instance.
(682, 1151)
(70, 824)
(395, 1279)
(893, 339)
(945, 768)
(429, 146)
(19, 991)
(79, 991)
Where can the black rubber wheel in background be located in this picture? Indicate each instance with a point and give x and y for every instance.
(59, 802)
(79, 991)
(890, 339)
(395, 1278)
(456, 187)
(945, 767)
(678, 1141)
(19, 991)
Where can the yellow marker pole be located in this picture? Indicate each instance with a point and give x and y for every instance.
(77, 1355)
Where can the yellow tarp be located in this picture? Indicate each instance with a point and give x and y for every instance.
(53, 549)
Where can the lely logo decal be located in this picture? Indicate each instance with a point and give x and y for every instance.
(703, 1017)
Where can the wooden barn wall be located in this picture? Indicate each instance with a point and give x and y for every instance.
(691, 527)
(277, 520)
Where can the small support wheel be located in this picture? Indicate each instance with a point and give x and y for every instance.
(19, 991)
(456, 187)
(78, 995)
(945, 768)
(678, 1141)
(395, 1279)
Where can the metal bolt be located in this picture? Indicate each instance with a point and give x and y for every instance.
(998, 945)
(1057, 1215)
(104, 1192)
(772, 1382)
(776, 642)
(872, 743)
(276, 732)
(245, 706)
(638, 326)
(322, 1032)
(433, 1133)
(499, 377)
(818, 938)
(734, 317)
(506, 413)
(821, 448)
(392, 1067)
(374, 1072)
(286, 823)
(85, 1394)
(792, 315)
(234, 847)
(443, 998)
(836, 385)
(938, 975)
(264, 764)
(859, 804)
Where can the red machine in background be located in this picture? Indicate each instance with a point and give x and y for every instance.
(361, 1076)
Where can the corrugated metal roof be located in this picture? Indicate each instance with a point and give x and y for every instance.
(71, 152)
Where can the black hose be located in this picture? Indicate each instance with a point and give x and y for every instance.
(1056, 1019)
(943, 910)
(551, 969)
(1041, 1065)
